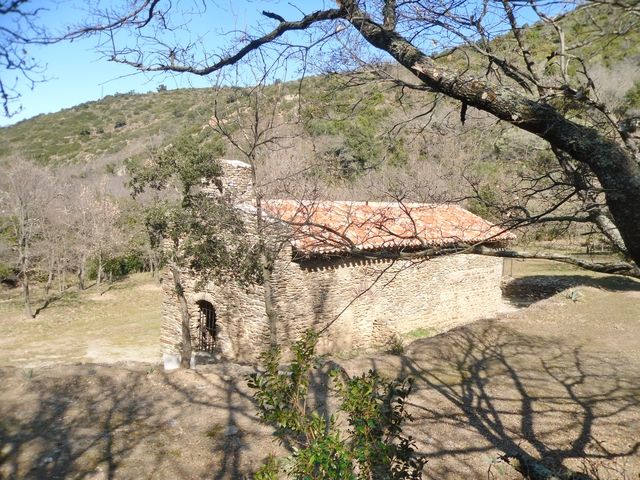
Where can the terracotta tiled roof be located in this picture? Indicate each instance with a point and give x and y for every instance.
(329, 227)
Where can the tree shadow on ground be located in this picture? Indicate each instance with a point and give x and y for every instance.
(491, 389)
(48, 301)
(223, 390)
(110, 423)
(524, 291)
(77, 426)
(226, 395)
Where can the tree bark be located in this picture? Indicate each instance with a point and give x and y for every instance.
(24, 272)
(609, 230)
(266, 266)
(99, 273)
(50, 274)
(185, 348)
(617, 268)
(532, 469)
(26, 295)
(152, 266)
(615, 168)
(60, 279)
(269, 308)
(81, 269)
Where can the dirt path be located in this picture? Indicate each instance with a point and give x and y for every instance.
(559, 381)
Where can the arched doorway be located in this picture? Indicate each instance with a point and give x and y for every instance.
(207, 328)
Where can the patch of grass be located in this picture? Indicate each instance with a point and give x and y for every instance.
(175, 452)
(397, 346)
(122, 323)
(418, 333)
(214, 431)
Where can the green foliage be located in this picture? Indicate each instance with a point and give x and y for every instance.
(484, 203)
(269, 470)
(632, 97)
(328, 105)
(214, 241)
(123, 265)
(362, 144)
(190, 159)
(207, 232)
(396, 346)
(372, 447)
(46, 137)
(419, 333)
(6, 271)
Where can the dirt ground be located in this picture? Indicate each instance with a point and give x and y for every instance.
(558, 380)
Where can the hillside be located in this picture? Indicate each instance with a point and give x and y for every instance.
(357, 117)
(364, 135)
(116, 123)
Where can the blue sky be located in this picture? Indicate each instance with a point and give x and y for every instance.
(76, 72)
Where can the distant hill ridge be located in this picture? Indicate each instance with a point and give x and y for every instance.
(122, 125)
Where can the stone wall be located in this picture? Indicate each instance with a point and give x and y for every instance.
(240, 313)
(376, 300)
(237, 180)
(363, 303)
(240, 317)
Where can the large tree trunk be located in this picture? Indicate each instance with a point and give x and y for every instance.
(267, 267)
(185, 348)
(81, 269)
(615, 168)
(47, 287)
(618, 268)
(26, 295)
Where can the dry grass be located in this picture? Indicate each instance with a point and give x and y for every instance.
(113, 323)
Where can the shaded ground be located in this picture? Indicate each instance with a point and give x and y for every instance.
(559, 380)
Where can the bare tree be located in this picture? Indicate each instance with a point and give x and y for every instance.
(549, 94)
(81, 213)
(52, 244)
(26, 191)
(22, 28)
(450, 49)
(106, 240)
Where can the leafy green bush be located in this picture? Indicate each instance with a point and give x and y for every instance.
(125, 264)
(6, 271)
(373, 446)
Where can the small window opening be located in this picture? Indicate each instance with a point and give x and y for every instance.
(207, 326)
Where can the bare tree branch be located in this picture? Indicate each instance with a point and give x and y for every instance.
(253, 45)
(618, 268)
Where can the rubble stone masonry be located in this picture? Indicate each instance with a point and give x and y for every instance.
(362, 303)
